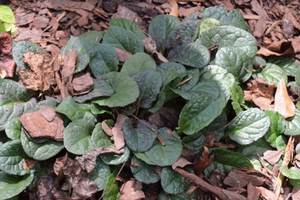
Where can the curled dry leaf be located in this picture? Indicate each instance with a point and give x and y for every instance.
(117, 132)
(43, 123)
(106, 129)
(59, 163)
(206, 161)
(132, 190)
(7, 64)
(150, 47)
(181, 162)
(82, 83)
(281, 48)
(260, 93)
(38, 78)
(283, 103)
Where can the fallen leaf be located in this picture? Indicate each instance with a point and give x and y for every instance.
(296, 44)
(174, 7)
(181, 162)
(205, 161)
(260, 27)
(273, 156)
(59, 163)
(106, 129)
(252, 192)
(132, 190)
(184, 12)
(82, 83)
(117, 132)
(43, 123)
(256, 7)
(122, 54)
(283, 104)
(260, 93)
(295, 22)
(7, 64)
(29, 164)
(287, 27)
(267, 193)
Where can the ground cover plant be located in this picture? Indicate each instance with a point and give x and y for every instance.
(159, 108)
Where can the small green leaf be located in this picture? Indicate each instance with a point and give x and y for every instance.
(128, 25)
(236, 62)
(12, 158)
(272, 73)
(293, 125)
(137, 63)
(291, 173)
(207, 24)
(237, 98)
(100, 174)
(103, 60)
(84, 44)
(288, 65)
(194, 75)
(13, 129)
(123, 39)
(143, 172)
(194, 142)
(297, 78)
(77, 136)
(248, 126)
(116, 159)
(159, 28)
(72, 109)
(191, 54)
(99, 138)
(111, 189)
(125, 87)
(277, 128)
(19, 48)
(6, 14)
(183, 32)
(260, 61)
(101, 89)
(228, 36)
(225, 161)
(168, 154)
(140, 137)
(12, 185)
(143, 157)
(42, 151)
(172, 182)
(150, 83)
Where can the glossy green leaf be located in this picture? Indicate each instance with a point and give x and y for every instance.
(150, 83)
(216, 127)
(111, 189)
(215, 12)
(14, 101)
(293, 125)
(126, 90)
(6, 14)
(103, 60)
(183, 32)
(272, 73)
(12, 158)
(172, 182)
(288, 65)
(292, 173)
(237, 98)
(191, 54)
(225, 161)
(217, 73)
(228, 36)
(159, 28)
(143, 157)
(101, 89)
(234, 18)
(277, 128)
(297, 78)
(207, 24)
(236, 62)
(248, 126)
(77, 136)
(100, 138)
(168, 154)
(123, 39)
(84, 44)
(128, 25)
(116, 159)
(72, 109)
(137, 63)
(195, 142)
(19, 48)
(193, 76)
(13, 129)
(139, 137)
(256, 148)
(41, 151)
(12, 185)
(100, 174)
(260, 61)
(142, 172)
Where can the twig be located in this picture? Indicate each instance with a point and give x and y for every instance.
(221, 193)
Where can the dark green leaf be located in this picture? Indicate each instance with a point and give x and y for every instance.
(116, 159)
(99, 138)
(234, 18)
(194, 142)
(168, 154)
(14, 101)
(137, 63)
(191, 54)
(111, 189)
(84, 44)
(128, 25)
(103, 60)
(293, 125)
(125, 87)
(12, 158)
(272, 73)
(12, 185)
(215, 12)
(150, 83)
(143, 157)
(248, 126)
(297, 78)
(101, 89)
(228, 36)
(217, 73)
(216, 127)
(288, 65)
(143, 172)
(100, 174)
(260, 61)
(13, 129)
(194, 75)
(236, 62)
(123, 39)
(256, 148)
(159, 28)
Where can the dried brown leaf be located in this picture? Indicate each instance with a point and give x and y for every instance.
(181, 162)
(132, 190)
(273, 156)
(205, 161)
(82, 83)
